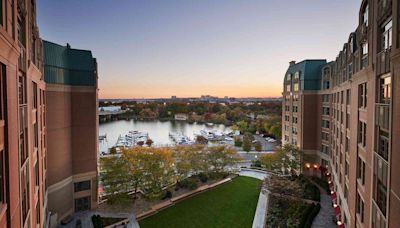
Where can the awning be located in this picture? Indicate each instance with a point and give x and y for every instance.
(333, 195)
(337, 209)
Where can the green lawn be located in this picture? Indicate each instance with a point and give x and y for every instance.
(230, 205)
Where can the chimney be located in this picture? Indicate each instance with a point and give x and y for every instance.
(68, 46)
(291, 63)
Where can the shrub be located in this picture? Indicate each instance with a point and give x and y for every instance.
(167, 195)
(256, 163)
(96, 220)
(246, 146)
(306, 214)
(203, 177)
(189, 183)
(238, 141)
(217, 175)
(312, 215)
(258, 146)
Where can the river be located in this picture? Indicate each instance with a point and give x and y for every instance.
(158, 130)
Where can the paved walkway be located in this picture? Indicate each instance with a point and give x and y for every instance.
(262, 205)
(325, 215)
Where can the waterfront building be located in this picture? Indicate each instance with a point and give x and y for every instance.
(345, 116)
(72, 129)
(22, 118)
(40, 164)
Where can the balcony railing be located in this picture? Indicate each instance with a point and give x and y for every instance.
(22, 58)
(384, 9)
(383, 62)
(382, 115)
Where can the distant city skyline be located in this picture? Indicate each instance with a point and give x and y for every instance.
(151, 49)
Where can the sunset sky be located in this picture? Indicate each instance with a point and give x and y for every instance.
(239, 48)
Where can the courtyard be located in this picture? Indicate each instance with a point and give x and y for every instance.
(230, 205)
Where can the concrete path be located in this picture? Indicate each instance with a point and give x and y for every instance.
(262, 205)
(324, 217)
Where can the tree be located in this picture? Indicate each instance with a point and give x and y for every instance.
(247, 142)
(287, 159)
(219, 157)
(258, 146)
(187, 160)
(116, 179)
(242, 126)
(154, 166)
(270, 161)
(238, 141)
(276, 131)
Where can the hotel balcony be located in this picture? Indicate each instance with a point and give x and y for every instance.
(382, 116)
(383, 62)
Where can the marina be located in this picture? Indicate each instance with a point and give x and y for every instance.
(163, 133)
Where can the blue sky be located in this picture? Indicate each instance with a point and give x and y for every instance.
(161, 48)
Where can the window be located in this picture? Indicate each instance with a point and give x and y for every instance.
(348, 93)
(294, 131)
(383, 144)
(287, 118)
(361, 170)
(294, 120)
(365, 15)
(82, 186)
(362, 133)
(1, 13)
(325, 124)
(324, 149)
(325, 136)
(25, 192)
(378, 220)
(326, 111)
(34, 95)
(3, 88)
(387, 36)
(384, 90)
(297, 75)
(288, 89)
(380, 183)
(295, 108)
(362, 95)
(2, 177)
(288, 77)
(82, 204)
(360, 207)
(364, 55)
(296, 87)
(326, 98)
(37, 174)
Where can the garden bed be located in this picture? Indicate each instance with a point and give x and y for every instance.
(285, 212)
(296, 186)
(142, 204)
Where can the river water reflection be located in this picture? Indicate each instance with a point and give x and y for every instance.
(158, 130)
